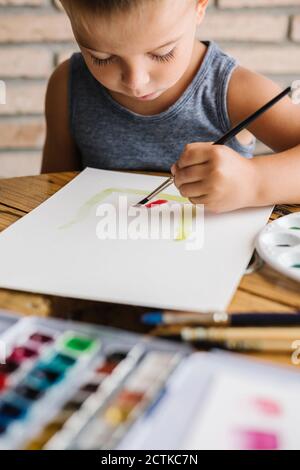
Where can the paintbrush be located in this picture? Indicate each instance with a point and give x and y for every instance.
(293, 91)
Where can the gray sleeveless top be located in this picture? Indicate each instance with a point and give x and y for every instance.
(109, 136)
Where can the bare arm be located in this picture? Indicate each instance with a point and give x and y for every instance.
(277, 175)
(60, 152)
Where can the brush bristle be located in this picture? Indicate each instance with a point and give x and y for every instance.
(142, 203)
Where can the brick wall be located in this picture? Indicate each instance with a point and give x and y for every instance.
(35, 36)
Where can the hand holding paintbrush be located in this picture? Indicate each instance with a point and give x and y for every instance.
(293, 91)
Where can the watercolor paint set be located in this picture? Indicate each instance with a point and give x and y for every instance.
(56, 376)
(69, 385)
(279, 245)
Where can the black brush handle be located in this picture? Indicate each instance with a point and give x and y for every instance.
(233, 132)
(265, 319)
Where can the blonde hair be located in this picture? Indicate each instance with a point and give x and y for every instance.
(104, 7)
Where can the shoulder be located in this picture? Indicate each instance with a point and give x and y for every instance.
(60, 151)
(62, 70)
(58, 81)
(248, 91)
(56, 103)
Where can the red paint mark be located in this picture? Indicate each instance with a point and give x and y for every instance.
(22, 353)
(107, 368)
(2, 381)
(156, 203)
(40, 338)
(258, 440)
(130, 397)
(269, 407)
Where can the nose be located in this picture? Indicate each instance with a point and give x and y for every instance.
(135, 78)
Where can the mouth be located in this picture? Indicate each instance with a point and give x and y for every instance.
(146, 97)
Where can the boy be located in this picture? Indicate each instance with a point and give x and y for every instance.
(146, 94)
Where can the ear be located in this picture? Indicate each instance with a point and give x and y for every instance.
(201, 10)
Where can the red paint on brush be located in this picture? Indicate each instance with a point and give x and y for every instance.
(156, 203)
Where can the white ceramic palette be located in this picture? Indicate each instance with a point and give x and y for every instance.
(279, 245)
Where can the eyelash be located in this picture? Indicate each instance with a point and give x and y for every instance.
(159, 58)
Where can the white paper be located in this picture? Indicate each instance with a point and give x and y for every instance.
(233, 408)
(55, 250)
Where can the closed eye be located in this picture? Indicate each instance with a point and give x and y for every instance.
(159, 58)
(166, 57)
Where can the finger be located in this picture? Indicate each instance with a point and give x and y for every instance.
(194, 154)
(173, 169)
(200, 200)
(191, 174)
(194, 189)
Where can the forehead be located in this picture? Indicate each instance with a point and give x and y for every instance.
(152, 24)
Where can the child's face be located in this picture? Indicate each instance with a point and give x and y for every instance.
(141, 52)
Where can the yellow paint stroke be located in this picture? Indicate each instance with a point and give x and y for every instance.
(186, 226)
(83, 212)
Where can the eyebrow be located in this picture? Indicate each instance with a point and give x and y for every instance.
(154, 49)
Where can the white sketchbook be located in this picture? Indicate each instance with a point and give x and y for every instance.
(66, 246)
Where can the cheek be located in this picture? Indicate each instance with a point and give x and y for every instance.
(172, 72)
(107, 77)
(104, 75)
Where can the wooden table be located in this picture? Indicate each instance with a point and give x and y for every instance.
(263, 290)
